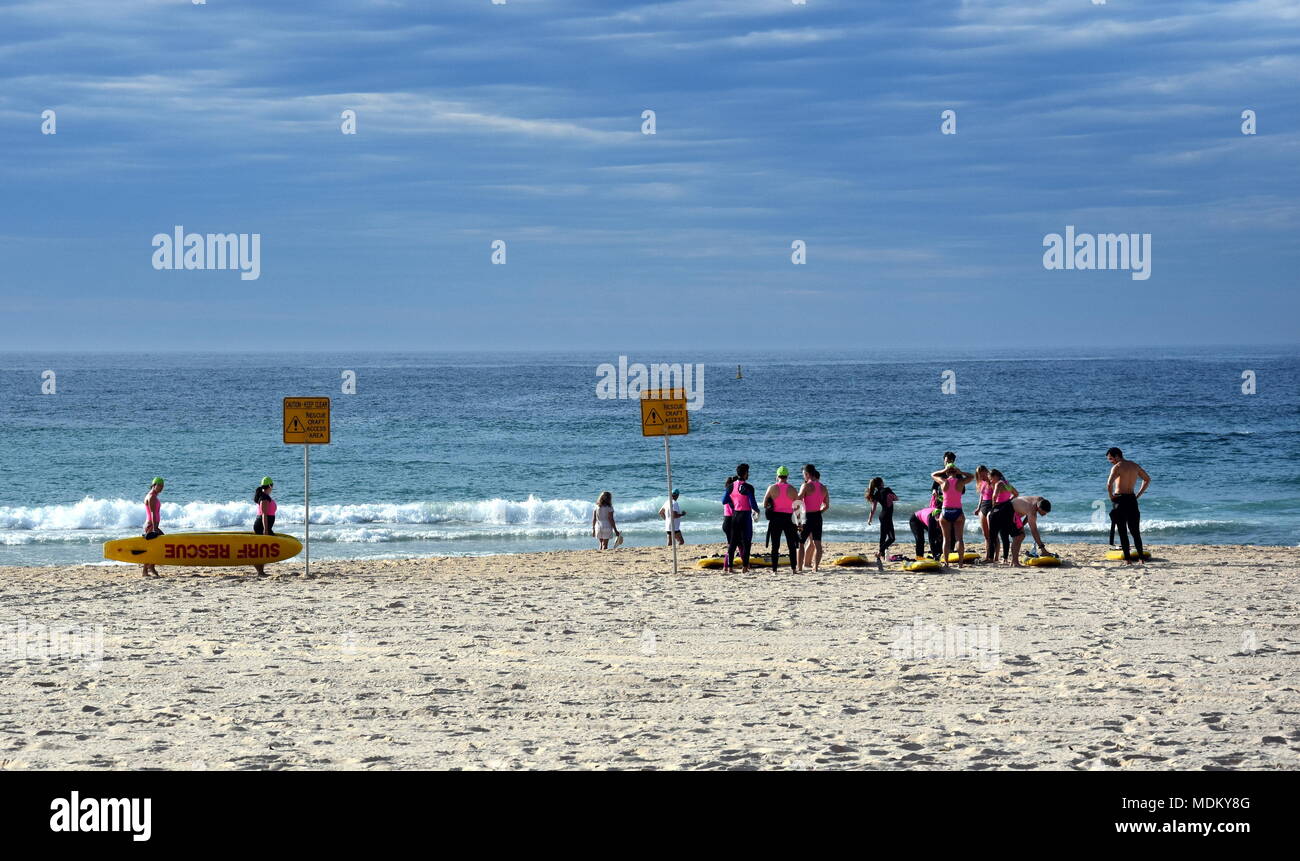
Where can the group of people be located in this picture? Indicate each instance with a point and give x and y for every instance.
(1002, 511)
(262, 522)
(797, 514)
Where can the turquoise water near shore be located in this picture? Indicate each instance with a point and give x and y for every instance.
(441, 453)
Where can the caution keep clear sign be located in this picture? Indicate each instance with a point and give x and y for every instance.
(307, 421)
(663, 412)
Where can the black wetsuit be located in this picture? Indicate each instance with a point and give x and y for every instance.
(782, 523)
(740, 533)
(260, 497)
(921, 530)
(1128, 518)
(742, 536)
(885, 499)
(1002, 526)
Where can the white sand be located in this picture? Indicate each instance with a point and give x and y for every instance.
(606, 660)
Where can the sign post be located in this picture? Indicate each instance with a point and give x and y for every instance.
(306, 423)
(663, 413)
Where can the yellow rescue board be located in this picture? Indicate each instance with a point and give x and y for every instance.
(1118, 555)
(204, 548)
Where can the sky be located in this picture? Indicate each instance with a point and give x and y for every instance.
(522, 122)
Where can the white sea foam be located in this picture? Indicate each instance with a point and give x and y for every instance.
(95, 520)
(120, 515)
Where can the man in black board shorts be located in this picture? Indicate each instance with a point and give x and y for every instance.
(1120, 486)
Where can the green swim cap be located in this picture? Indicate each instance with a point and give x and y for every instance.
(156, 480)
(782, 471)
(266, 481)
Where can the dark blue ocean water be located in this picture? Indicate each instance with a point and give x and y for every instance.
(505, 452)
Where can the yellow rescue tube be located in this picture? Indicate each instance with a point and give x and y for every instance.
(971, 556)
(1043, 561)
(922, 565)
(204, 548)
(1118, 555)
(711, 562)
(854, 561)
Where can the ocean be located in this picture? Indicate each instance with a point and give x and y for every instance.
(470, 454)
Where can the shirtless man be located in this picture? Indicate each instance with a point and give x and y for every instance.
(1028, 508)
(1120, 485)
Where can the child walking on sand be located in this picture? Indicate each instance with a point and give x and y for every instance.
(603, 526)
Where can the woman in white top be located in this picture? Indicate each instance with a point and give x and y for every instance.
(603, 526)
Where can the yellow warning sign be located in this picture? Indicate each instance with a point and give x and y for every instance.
(663, 413)
(307, 421)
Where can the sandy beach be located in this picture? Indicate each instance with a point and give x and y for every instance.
(588, 660)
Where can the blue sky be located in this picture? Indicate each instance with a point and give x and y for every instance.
(522, 122)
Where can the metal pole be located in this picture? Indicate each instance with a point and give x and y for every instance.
(672, 539)
(306, 505)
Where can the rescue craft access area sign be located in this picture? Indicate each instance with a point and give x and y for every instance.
(307, 421)
(663, 412)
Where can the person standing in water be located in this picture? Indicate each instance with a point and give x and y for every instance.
(673, 523)
(879, 495)
(816, 501)
(1120, 486)
(603, 526)
(953, 520)
(744, 508)
(152, 519)
(782, 497)
(266, 507)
